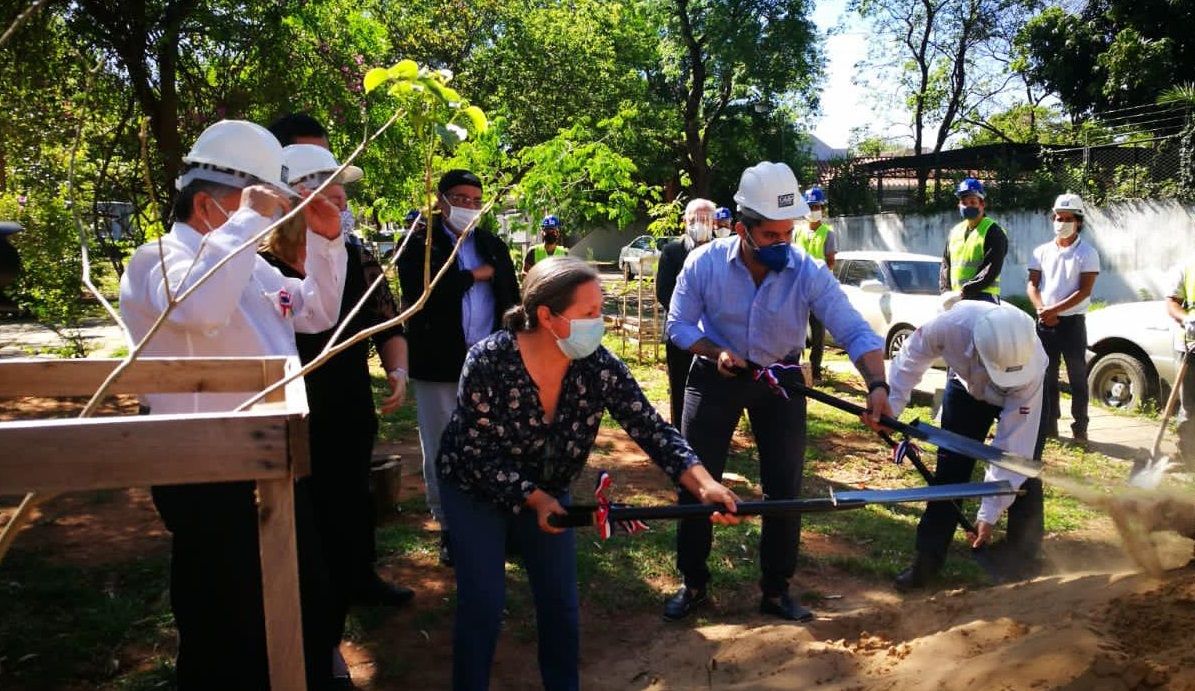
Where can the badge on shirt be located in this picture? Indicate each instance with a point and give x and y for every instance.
(1024, 410)
(284, 303)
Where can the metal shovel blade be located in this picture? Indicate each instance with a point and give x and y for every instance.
(973, 449)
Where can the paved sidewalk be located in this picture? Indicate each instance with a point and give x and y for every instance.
(18, 338)
(1116, 435)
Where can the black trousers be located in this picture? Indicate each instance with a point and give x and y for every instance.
(713, 406)
(817, 344)
(341, 450)
(1066, 342)
(215, 587)
(679, 360)
(973, 418)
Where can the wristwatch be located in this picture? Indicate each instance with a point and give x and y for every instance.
(879, 385)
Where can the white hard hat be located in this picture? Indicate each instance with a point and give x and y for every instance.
(1070, 202)
(236, 153)
(308, 163)
(1006, 339)
(771, 190)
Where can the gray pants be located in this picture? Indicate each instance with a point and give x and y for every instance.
(434, 403)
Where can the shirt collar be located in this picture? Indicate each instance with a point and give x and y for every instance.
(186, 234)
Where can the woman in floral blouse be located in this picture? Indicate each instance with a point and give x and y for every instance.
(530, 402)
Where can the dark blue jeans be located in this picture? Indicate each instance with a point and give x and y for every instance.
(1066, 342)
(713, 406)
(478, 531)
(973, 418)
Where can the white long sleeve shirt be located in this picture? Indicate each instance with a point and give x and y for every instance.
(242, 311)
(949, 336)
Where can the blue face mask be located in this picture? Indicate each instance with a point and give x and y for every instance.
(969, 212)
(584, 337)
(775, 257)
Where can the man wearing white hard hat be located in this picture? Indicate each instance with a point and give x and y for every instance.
(1062, 273)
(746, 300)
(234, 182)
(699, 229)
(996, 370)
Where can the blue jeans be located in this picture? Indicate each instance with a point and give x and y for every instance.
(477, 533)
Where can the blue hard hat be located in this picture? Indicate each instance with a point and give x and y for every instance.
(968, 187)
(815, 195)
(411, 216)
(549, 222)
(722, 214)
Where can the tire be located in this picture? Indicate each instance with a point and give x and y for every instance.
(1120, 381)
(896, 340)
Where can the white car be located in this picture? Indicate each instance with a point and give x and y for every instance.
(1132, 355)
(640, 256)
(894, 291)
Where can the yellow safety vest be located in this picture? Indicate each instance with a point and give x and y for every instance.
(966, 255)
(1189, 287)
(814, 243)
(541, 254)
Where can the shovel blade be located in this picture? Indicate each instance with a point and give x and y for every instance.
(973, 449)
(1149, 475)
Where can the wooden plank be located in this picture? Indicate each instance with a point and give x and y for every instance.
(27, 377)
(104, 453)
(273, 370)
(280, 583)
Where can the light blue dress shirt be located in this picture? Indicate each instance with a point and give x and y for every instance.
(477, 307)
(716, 298)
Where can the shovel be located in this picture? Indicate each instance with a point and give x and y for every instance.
(1148, 474)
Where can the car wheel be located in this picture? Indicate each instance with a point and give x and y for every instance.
(897, 339)
(1119, 380)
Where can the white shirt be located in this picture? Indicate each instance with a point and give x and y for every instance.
(1060, 269)
(949, 336)
(237, 312)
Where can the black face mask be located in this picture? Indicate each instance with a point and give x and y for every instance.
(551, 238)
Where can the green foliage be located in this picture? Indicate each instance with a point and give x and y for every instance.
(1109, 53)
(49, 286)
(850, 189)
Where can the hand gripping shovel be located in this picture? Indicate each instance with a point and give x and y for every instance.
(915, 430)
(604, 515)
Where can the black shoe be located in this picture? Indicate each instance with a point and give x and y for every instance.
(918, 575)
(445, 555)
(784, 607)
(685, 601)
(1079, 437)
(375, 592)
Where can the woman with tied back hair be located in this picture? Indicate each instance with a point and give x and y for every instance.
(530, 402)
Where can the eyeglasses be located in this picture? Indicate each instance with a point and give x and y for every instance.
(463, 201)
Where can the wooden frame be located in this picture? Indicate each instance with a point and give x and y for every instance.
(267, 443)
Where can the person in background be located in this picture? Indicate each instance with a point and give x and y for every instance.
(1062, 273)
(1180, 305)
(746, 300)
(818, 240)
(299, 128)
(229, 190)
(530, 405)
(463, 308)
(723, 222)
(975, 248)
(550, 247)
(699, 226)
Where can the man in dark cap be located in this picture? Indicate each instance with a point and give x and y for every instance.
(464, 307)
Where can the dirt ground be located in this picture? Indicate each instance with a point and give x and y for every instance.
(1091, 622)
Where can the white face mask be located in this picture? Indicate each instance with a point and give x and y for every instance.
(1065, 229)
(722, 232)
(584, 337)
(460, 218)
(815, 215)
(700, 231)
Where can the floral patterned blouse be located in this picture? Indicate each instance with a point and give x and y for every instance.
(498, 448)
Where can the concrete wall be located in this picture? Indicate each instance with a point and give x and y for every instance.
(1139, 243)
(606, 242)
